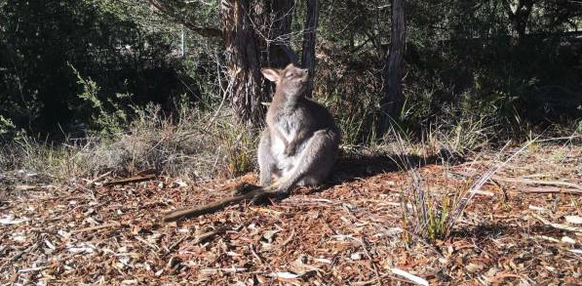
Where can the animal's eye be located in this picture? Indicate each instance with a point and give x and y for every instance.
(290, 74)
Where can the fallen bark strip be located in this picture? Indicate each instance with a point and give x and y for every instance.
(130, 180)
(569, 185)
(550, 190)
(208, 235)
(243, 192)
(98, 227)
(538, 182)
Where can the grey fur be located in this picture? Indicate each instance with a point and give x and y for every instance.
(301, 141)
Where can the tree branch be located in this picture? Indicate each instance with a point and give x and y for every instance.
(202, 31)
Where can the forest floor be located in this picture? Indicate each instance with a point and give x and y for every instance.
(523, 228)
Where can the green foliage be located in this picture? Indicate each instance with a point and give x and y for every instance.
(470, 76)
(6, 125)
(119, 45)
(437, 219)
(106, 118)
(186, 143)
(462, 64)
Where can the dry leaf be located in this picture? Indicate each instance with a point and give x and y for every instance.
(284, 275)
(411, 277)
(574, 219)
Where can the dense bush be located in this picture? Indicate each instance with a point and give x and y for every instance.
(46, 45)
(71, 65)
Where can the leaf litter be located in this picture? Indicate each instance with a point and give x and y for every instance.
(347, 233)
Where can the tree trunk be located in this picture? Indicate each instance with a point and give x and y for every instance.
(393, 100)
(242, 56)
(309, 37)
(279, 47)
(519, 18)
(256, 33)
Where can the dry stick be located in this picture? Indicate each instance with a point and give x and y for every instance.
(98, 227)
(207, 235)
(557, 225)
(90, 183)
(530, 182)
(554, 190)
(130, 180)
(250, 192)
(538, 182)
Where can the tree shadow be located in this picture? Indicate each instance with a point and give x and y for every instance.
(351, 168)
(489, 230)
(498, 229)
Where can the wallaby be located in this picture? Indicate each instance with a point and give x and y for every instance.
(301, 141)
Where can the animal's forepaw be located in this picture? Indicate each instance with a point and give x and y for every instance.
(243, 189)
(290, 149)
(258, 199)
(282, 194)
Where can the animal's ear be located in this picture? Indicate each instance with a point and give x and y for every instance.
(271, 74)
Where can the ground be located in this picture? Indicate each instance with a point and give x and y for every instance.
(522, 228)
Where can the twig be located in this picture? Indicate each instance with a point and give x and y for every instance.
(130, 180)
(291, 236)
(90, 183)
(33, 269)
(250, 192)
(538, 182)
(557, 225)
(569, 138)
(413, 278)
(171, 247)
(207, 235)
(529, 182)
(98, 227)
(554, 190)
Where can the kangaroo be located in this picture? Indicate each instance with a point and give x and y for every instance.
(301, 141)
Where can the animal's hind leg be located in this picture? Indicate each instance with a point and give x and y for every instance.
(267, 166)
(316, 161)
(267, 163)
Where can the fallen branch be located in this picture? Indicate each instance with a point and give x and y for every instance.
(245, 191)
(130, 180)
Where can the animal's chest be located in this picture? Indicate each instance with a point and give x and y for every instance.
(287, 128)
(286, 131)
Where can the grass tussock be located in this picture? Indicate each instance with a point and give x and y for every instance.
(188, 143)
(433, 215)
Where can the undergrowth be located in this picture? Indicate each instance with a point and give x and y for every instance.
(431, 216)
(188, 143)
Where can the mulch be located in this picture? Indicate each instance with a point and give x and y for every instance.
(347, 233)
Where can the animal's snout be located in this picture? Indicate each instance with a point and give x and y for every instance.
(305, 75)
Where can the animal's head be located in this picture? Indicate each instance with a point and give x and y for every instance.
(292, 81)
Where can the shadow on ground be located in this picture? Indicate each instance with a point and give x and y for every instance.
(355, 167)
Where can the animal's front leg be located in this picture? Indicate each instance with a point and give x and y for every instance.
(291, 147)
(267, 163)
